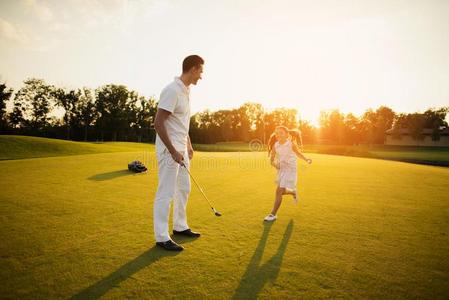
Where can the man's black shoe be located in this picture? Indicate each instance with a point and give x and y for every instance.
(170, 246)
(187, 232)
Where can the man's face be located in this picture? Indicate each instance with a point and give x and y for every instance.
(196, 73)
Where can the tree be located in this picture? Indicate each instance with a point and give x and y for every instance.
(332, 126)
(375, 123)
(223, 121)
(5, 95)
(111, 104)
(202, 126)
(140, 114)
(351, 130)
(32, 104)
(416, 123)
(146, 112)
(308, 132)
(435, 119)
(385, 119)
(85, 110)
(281, 116)
(131, 110)
(336, 123)
(254, 113)
(68, 101)
(194, 129)
(242, 123)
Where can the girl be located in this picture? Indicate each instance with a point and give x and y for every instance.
(283, 151)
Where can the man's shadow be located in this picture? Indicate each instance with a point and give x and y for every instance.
(114, 279)
(257, 275)
(110, 175)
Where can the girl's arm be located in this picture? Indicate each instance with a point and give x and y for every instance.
(299, 154)
(272, 156)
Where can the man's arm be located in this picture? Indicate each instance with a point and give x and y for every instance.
(159, 126)
(189, 147)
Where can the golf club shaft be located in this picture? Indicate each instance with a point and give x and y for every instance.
(198, 186)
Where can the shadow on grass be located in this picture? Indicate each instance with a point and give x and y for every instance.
(257, 275)
(114, 279)
(183, 239)
(110, 175)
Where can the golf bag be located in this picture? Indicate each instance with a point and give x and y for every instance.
(137, 167)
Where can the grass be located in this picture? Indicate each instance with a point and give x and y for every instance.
(80, 227)
(405, 153)
(18, 147)
(230, 147)
(422, 155)
(414, 153)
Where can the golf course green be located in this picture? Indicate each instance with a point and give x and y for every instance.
(76, 224)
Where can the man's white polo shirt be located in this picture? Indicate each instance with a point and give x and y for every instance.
(175, 99)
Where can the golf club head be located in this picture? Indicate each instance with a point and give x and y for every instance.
(216, 212)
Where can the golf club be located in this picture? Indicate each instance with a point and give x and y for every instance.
(218, 214)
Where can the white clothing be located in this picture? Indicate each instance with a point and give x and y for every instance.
(175, 99)
(287, 173)
(173, 179)
(174, 183)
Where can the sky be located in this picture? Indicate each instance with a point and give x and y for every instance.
(308, 55)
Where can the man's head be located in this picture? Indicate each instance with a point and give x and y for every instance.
(192, 68)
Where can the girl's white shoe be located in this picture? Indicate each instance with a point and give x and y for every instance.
(270, 218)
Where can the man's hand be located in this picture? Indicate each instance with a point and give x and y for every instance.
(190, 151)
(178, 157)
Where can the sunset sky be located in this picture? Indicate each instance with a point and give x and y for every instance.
(310, 55)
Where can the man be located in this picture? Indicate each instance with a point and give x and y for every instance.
(174, 151)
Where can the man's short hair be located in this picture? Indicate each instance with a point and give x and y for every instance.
(190, 62)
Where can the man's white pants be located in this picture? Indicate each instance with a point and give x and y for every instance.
(173, 183)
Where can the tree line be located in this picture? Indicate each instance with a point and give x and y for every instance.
(115, 113)
(108, 113)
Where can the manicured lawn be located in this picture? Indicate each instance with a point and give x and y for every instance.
(18, 147)
(422, 155)
(81, 226)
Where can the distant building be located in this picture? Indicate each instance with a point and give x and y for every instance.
(402, 137)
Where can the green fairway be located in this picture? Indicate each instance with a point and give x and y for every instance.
(81, 226)
(18, 147)
(422, 155)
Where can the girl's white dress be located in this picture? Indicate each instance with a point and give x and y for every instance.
(287, 173)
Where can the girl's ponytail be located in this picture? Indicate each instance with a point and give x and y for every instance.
(296, 137)
(271, 141)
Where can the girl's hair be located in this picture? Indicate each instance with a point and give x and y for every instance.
(294, 133)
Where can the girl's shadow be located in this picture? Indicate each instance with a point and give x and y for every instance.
(257, 275)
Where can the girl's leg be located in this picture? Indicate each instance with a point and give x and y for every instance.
(289, 192)
(278, 200)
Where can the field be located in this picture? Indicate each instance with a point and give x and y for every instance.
(78, 225)
(18, 147)
(422, 155)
